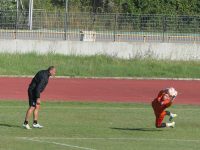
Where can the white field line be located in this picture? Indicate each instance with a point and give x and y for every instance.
(87, 108)
(131, 139)
(117, 78)
(55, 143)
(98, 108)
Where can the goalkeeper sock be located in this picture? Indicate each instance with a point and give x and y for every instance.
(168, 113)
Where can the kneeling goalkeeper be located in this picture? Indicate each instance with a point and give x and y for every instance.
(164, 100)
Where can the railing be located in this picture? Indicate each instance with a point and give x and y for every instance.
(103, 27)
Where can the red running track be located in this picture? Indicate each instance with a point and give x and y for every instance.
(106, 90)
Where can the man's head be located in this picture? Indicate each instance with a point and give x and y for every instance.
(52, 70)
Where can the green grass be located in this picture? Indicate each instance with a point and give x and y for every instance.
(97, 66)
(131, 125)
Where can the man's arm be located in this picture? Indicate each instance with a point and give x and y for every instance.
(166, 100)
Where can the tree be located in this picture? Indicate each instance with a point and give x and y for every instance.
(8, 5)
(172, 7)
(59, 3)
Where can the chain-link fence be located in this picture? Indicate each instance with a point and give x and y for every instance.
(99, 27)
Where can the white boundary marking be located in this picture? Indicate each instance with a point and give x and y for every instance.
(117, 78)
(111, 138)
(56, 143)
(100, 108)
(63, 107)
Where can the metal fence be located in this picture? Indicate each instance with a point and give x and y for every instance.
(101, 27)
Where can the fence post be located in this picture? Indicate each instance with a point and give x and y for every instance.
(65, 27)
(66, 13)
(115, 25)
(164, 27)
(16, 20)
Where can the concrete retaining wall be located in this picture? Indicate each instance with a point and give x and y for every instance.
(171, 51)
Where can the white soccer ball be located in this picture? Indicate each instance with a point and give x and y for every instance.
(172, 92)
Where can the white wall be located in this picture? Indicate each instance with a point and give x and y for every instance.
(173, 51)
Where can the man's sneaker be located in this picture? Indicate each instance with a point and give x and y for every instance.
(37, 126)
(172, 116)
(26, 126)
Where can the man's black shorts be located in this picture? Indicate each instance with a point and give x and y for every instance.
(32, 98)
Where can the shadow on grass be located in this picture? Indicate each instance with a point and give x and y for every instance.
(9, 125)
(138, 129)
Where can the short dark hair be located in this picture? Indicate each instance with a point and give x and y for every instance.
(50, 68)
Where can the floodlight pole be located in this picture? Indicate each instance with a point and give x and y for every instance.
(17, 13)
(30, 14)
(17, 7)
(16, 19)
(66, 13)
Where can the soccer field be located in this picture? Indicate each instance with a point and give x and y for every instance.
(97, 126)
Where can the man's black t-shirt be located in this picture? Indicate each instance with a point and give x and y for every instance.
(38, 83)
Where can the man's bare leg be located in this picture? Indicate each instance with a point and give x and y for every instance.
(29, 112)
(36, 115)
(28, 115)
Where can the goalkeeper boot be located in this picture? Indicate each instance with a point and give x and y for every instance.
(171, 125)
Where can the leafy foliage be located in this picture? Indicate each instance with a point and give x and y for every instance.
(7, 5)
(172, 7)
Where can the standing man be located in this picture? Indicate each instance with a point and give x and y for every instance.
(37, 85)
(164, 100)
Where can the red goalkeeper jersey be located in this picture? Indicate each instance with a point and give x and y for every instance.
(162, 101)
